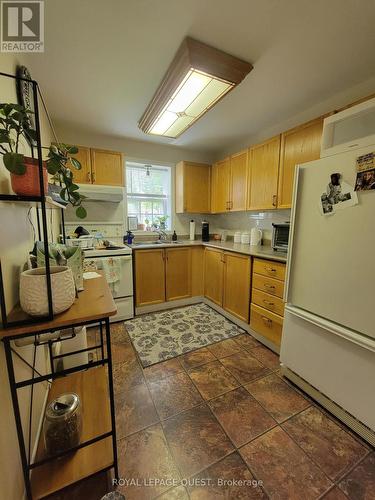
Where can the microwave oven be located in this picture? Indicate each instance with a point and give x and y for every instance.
(280, 236)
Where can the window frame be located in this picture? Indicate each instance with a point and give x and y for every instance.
(170, 200)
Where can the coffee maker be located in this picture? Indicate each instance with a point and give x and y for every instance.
(205, 231)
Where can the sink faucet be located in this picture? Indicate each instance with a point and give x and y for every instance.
(162, 234)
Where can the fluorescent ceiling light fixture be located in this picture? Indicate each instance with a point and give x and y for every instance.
(198, 77)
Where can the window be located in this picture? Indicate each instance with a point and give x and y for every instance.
(149, 193)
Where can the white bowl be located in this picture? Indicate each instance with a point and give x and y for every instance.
(33, 290)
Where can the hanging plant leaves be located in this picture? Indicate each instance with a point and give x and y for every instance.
(14, 162)
(81, 212)
(76, 164)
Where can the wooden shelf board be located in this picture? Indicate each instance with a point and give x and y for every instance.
(93, 303)
(92, 387)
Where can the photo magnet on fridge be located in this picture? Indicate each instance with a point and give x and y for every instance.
(337, 196)
(365, 180)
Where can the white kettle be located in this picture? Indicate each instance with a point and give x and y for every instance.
(256, 236)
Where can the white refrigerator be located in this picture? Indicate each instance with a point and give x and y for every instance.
(328, 341)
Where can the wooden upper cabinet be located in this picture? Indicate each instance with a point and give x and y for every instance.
(221, 186)
(149, 277)
(107, 167)
(237, 282)
(238, 181)
(177, 273)
(213, 275)
(299, 145)
(263, 175)
(193, 187)
(82, 176)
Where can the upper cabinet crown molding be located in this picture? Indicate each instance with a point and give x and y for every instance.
(193, 187)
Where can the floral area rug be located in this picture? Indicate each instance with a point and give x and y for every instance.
(167, 334)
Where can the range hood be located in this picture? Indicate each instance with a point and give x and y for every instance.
(113, 194)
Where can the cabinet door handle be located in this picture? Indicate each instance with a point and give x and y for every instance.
(268, 303)
(89, 176)
(270, 269)
(274, 200)
(231, 204)
(270, 287)
(93, 177)
(267, 321)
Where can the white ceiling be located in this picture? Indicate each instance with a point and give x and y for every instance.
(105, 58)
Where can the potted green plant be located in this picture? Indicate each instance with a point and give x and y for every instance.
(24, 170)
(162, 222)
(58, 165)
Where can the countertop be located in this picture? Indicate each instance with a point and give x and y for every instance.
(93, 303)
(264, 251)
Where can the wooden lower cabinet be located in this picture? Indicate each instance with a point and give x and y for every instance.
(266, 323)
(177, 273)
(267, 301)
(236, 288)
(227, 278)
(213, 275)
(149, 277)
(267, 306)
(268, 285)
(197, 271)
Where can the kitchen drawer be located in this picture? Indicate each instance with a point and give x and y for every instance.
(270, 302)
(269, 285)
(266, 323)
(269, 268)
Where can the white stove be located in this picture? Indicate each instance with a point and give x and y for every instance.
(117, 264)
(107, 252)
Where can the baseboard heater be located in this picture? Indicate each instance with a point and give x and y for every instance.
(362, 430)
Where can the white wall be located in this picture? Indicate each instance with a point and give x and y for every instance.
(15, 243)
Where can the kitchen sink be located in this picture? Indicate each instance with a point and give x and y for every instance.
(157, 242)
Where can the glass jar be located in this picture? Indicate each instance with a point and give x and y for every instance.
(62, 424)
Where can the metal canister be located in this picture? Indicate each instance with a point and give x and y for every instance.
(63, 423)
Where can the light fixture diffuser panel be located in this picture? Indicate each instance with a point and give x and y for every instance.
(198, 77)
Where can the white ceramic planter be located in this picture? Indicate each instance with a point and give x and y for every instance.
(33, 290)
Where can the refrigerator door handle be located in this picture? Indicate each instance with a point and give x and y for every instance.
(291, 232)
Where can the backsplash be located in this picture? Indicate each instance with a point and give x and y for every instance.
(234, 221)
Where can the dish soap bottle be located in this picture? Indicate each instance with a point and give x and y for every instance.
(174, 236)
(129, 237)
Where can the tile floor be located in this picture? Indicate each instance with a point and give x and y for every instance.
(221, 416)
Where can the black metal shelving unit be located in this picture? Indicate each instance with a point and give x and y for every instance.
(11, 323)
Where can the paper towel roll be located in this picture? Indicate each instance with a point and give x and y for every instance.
(192, 230)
